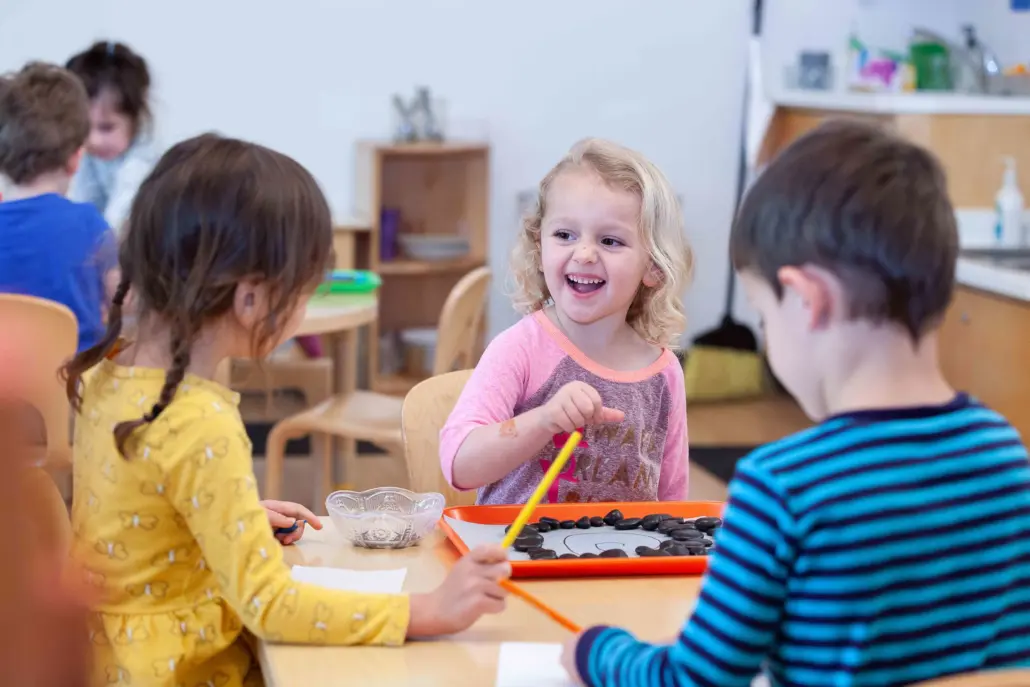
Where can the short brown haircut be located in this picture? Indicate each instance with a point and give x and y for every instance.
(864, 204)
(44, 120)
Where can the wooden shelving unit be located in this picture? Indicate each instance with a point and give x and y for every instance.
(438, 189)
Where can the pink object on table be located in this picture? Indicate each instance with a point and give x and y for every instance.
(311, 345)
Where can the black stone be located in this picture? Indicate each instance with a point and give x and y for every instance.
(666, 526)
(543, 555)
(648, 552)
(613, 517)
(628, 524)
(667, 543)
(550, 521)
(589, 555)
(650, 522)
(525, 542)
(686, 534)
(567, 524)
(666, 516)
(707, 542)
(707, 524)
(613, 553)
(542, 527)
(597, 521)
(677, 550)
(583, 523)
(568, 555)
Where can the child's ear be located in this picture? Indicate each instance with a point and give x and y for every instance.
(72, 166)
(812, 290)
(249, 303)
(653, 276)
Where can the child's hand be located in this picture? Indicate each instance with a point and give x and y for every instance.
(285, 514)
(470, 590)
(568, 659)
(576, 405)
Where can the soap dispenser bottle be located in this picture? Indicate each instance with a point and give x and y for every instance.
(1008, 204)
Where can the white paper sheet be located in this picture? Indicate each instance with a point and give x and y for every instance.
(524, 664)
(367, 581)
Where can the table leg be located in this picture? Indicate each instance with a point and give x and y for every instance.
(345, 362)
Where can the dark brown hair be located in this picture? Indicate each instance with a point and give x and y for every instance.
(866, 205)
(44, 120)
(114, 66)
(213, 212)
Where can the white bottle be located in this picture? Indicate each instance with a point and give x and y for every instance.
(1008, 204)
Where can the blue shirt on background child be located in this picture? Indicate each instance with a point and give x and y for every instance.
(53, 248)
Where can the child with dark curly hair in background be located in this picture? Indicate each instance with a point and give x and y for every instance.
(121, 148)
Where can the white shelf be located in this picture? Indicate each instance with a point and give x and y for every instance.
(903, 103)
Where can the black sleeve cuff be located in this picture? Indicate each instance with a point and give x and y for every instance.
(583, 648)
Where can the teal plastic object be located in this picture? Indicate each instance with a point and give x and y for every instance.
(350, 281)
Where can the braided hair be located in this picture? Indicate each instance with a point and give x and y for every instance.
(214, 212)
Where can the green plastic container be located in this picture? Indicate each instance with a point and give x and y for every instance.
(932, 65)
(350, 281)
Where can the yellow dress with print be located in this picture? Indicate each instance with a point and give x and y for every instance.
(180, 548)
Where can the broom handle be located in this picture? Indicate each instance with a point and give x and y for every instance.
(756, 30)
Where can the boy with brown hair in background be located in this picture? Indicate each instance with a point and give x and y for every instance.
(50, 247)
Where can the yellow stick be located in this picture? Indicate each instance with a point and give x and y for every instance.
(545, 484)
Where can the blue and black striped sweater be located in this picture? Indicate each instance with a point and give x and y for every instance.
(877, 548)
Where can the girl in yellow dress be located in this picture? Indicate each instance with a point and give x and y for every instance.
(226, 240)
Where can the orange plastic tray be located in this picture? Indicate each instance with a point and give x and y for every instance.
(590, 567)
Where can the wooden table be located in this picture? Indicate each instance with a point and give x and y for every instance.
(654, 608)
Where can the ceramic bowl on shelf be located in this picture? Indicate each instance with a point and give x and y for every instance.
(385, 517)
(434, 247)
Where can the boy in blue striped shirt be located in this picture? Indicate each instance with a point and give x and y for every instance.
(890, 543)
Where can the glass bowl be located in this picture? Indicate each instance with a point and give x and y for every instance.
(385, 517)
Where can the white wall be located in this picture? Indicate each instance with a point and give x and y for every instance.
(308, 78)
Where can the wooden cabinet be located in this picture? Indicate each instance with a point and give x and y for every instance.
(436, 189)
(970, 147)
(984, 346)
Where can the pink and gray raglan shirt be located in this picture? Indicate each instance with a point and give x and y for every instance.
(642, 458)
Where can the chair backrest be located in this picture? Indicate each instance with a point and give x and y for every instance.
(460, 322)
(42, 335)
(425, 410)
(982, 678)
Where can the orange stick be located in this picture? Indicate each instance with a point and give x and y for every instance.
(541, 606)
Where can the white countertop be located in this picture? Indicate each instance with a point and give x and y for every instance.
(902, 103)
(976, 230)
(993, 279)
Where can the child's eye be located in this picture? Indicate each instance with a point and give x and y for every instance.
(562, 234)
(610, 242)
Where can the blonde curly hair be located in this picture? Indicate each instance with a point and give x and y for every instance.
(657, 314)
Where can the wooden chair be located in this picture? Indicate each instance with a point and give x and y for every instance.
(43, 335)
(982, 678)
(425, 410)
(312, 377)
(375, 417)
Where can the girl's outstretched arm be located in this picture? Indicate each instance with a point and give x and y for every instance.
(483, 440)
(211, 483)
